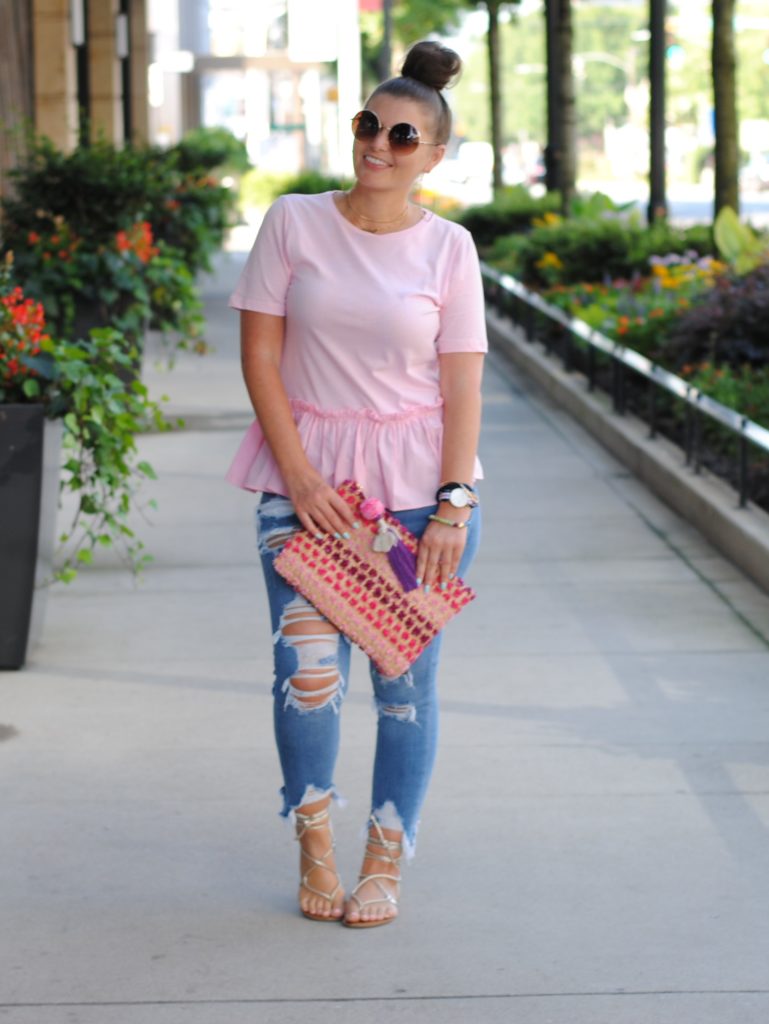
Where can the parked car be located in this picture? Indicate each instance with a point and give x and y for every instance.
(755, 174)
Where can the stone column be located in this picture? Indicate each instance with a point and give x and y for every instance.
(16, 82)
(139, 65)
(104, 71)
(54, 73)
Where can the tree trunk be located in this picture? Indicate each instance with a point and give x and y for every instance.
(725, 103)
(386, 52)
(495, 94)
(657, 187)
(561, 151)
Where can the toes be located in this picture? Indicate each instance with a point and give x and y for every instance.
(316, 906)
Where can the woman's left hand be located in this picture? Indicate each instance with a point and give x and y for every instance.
(439, 554)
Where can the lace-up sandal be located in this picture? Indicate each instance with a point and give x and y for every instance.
(387, 851)
(308, 823)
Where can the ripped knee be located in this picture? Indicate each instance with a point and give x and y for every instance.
(316, 683)
(400, 712)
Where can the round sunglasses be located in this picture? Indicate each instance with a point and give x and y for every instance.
(402, 137)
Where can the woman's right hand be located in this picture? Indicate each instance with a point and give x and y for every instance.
(319, 508)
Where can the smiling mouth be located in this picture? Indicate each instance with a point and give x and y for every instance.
(375, 161)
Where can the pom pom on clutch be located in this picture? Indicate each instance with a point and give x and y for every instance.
(372, 509)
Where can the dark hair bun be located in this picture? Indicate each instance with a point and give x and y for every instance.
(432, 64)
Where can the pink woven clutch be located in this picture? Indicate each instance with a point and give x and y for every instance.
(356, 589)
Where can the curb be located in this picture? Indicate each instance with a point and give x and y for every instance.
(742, 534)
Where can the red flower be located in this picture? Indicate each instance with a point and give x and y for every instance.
(22, 322)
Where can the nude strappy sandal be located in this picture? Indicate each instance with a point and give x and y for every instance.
(388, 851)
(306, 823)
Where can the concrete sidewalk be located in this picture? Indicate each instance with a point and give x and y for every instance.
(595, 844)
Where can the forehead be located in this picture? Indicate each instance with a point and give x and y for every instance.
(394, 109)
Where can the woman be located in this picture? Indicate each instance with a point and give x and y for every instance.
(362, 337)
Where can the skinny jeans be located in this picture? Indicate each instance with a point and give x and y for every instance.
(307, 730)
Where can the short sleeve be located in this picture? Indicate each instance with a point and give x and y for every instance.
(264, 282)
(462, 318)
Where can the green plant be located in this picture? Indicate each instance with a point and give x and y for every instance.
(83, 383)
(593, 205)
(513, 211)
(258, 189)
(574, 250)
(744, 388)
(728, 325)
(126, 282)
(22, 334)
(99, 190)
(212, 148)
(102, 417)
(640, 313)
(193, 218)
(312, 182)
(739, 245)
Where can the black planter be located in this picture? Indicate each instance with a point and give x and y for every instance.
(29, 478)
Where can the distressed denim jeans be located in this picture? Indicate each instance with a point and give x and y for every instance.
(311, 678)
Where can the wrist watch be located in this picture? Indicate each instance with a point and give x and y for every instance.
(458, 495)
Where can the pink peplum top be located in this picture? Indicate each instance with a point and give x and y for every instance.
(366, 317)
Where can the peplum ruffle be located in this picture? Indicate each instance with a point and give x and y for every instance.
(393, 456)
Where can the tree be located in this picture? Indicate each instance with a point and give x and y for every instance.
(495, 97)
(561, 149)
(725, 103)
(401, 22)
(657, 111)
(415, 19)
(494, 9)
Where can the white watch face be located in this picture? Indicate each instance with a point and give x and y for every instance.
(458, 498)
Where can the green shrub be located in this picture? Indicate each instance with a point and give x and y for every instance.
(99, 190)
(570, 251)
(744, 388)
(258, 189)
(193, 219)
(640, 313)
(89, 385)
(512, 212)
(312, 182)
(728, 326)
(125, 283)
(208, 149)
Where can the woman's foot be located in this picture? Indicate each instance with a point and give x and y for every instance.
(374, 900)
(320, 891)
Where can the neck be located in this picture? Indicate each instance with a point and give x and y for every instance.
(378, 208)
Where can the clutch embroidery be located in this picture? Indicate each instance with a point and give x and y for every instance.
(366, 586)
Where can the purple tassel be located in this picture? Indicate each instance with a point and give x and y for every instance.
(404, 565)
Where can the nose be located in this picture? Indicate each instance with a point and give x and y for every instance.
(382, 138)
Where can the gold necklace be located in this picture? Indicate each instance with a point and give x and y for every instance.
(379, 223)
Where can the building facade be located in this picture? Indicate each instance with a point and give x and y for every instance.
(74, 70)
(283, 75)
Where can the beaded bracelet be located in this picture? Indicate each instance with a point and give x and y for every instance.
(447, 522)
